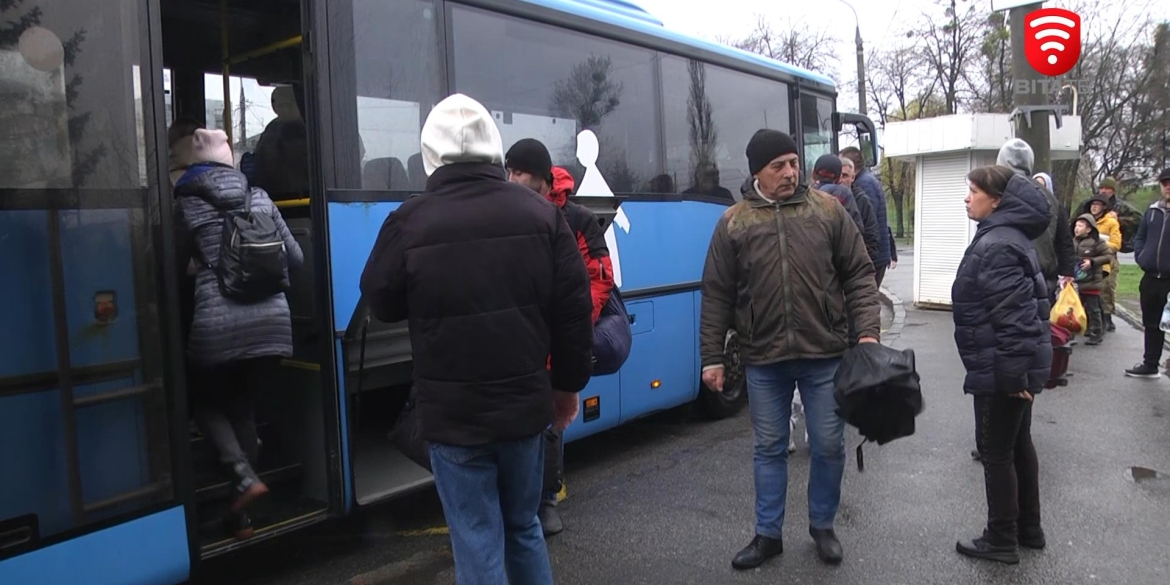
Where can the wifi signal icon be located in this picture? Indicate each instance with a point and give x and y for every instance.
(1052, 43)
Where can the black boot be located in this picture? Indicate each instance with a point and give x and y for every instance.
(753, 555)
(980, 548)
(828, 547)
(1032, 538)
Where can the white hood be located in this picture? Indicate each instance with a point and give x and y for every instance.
(460, 130)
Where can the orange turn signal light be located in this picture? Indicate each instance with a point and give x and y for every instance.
(655, 384)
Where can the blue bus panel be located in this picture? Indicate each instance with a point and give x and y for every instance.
(353, 228)
(97, 259)
(660, 373)
(151, 550)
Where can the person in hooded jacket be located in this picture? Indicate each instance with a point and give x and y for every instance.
(1110, 232)
(490, 280)
(529, 163)
(1152, 253)
(826, 177)
(233, 348)
(868, 183)
(1093, 260)
(1000, 310)
(865, 208)
(1054, 247)
(1127, 217)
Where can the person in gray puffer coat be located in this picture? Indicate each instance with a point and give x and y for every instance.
(233, 348)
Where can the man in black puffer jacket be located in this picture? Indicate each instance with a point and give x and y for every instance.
(490, 278)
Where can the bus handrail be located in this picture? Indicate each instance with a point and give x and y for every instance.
(264, 50)
(115, 395)
(138, 494)
(288, 203)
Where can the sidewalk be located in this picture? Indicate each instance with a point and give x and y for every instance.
(1102, 525)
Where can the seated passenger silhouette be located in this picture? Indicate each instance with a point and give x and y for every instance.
(707, 183)
(385, 173)
(661, 184)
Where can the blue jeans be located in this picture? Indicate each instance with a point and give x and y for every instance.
(490, 496)
(770, 390)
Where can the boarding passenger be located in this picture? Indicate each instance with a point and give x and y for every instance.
(491, 282)
(529, 163)
(868, 183)
(234, 346)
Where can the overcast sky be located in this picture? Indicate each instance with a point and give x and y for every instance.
(883, 23)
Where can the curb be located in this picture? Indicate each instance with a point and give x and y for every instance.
(895, 303)
(1134, 320)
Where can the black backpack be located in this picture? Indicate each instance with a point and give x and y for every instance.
(252, 264)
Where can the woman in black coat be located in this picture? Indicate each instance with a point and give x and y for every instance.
(1000, 303)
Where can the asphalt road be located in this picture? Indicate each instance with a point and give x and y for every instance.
(669, 500)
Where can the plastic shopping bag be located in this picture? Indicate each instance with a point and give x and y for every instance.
(1165, 324)
(1068, 312)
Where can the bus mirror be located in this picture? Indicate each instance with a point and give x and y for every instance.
(866, 134)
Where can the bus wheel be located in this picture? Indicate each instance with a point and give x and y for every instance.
(718, 405)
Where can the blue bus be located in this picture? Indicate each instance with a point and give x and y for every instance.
(102, 477)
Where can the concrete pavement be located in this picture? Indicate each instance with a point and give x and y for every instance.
(669, 500)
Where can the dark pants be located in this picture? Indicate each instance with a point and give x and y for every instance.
(554, 466)
(224, 401)
(880, 274)
(1003, 433)
(1092, 304)
(1153, 297)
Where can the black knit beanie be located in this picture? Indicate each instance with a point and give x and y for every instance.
(766, 146)
(827, 168)
(530, 156)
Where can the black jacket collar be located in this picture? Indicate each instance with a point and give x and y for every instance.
(464, 173)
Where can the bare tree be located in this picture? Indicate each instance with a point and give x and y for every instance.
(900, 91)
(588, 94)
(795, 43)
(704, 137)
(950, 46)
(1115, 88)
(991, 79)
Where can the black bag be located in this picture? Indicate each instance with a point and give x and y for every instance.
(878, 392)
(252, 264)
(612, 337)
(406, 438)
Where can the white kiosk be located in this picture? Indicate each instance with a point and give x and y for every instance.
(944, 150)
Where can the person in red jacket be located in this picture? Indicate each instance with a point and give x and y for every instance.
(528, 163)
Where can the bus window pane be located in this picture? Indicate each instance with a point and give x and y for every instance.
(710, 114)
(68, 94)
(83, 410)
(549, 83)
(398, 72)
(816, 126)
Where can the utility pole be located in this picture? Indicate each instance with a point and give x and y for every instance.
(860, 60)
(860, 70)
(1036, 134)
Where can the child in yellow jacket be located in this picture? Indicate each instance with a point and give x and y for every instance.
(1110, 232)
